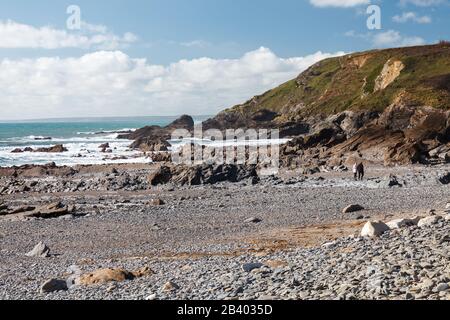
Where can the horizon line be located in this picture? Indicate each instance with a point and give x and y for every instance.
(93, 118)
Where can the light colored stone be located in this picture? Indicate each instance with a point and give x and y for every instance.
(275, 264)
(170, 286)
(428, 221)
(374, 229)
(442, 287)
(111, 275)
(402, 223)
(253, 220)
(390, 72)
(39, 251)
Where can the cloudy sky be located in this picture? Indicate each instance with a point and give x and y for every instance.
(171, 57)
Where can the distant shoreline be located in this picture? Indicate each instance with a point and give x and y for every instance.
(96, 119)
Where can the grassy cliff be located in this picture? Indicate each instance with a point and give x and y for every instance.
(370, 80)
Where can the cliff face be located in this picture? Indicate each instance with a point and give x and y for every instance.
(368, 81)
(385, 105)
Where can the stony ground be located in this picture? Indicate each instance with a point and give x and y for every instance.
(199, 239)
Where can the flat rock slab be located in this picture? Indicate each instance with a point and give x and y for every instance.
(111, 275)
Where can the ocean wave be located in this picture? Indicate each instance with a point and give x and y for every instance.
(78, 153)
(120, 131)
(53, 140)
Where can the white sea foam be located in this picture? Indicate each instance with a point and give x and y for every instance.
(85, 150)
(106, 131)
(81, 150)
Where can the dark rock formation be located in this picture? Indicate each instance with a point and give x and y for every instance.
(154, 138)
(55, 149)
(151, 144)
(203, 174)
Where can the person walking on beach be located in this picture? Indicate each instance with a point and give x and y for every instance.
(355, 171)
(360, 171)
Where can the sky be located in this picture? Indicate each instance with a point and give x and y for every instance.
(173, 57)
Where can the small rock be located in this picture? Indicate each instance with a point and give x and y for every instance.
(53, 285)
(170, 286)
(442, 287)
(157, 202)
(248, 267)
(39, 251)
(374, 229)
(409, 296)
(155, 227)
(275, 264)
(253, 220)
(111, 288)
(151, 297)
(329, 244)
(429, 221)
(353, 208)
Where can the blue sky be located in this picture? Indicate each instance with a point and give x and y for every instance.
(184, 56)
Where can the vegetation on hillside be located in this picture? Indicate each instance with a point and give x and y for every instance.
(347, 83)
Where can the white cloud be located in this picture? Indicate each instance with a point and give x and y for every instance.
(387, 39)
(393, 38)
(112, 83)
(422, 3)
(411, 16)
(338, 3)
(195, 43)
(18, 35)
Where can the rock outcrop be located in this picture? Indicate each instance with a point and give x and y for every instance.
(55, 149)
(390, 72)
(154, 138)
(202, 174)
(398, 116)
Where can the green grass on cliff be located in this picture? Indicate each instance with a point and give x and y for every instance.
(348, 82)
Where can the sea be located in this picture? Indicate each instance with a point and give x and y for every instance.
(81, 137)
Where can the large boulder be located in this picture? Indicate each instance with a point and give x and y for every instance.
(374, 229)
(162, 175)
(150, 144)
